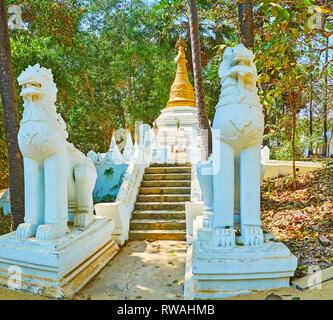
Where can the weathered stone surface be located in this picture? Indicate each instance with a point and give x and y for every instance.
(160, 209)
(166, 183)
(163, 198)
(61, 267)
(155, 224)
(178, 206)
(171, 164)
(221, 272)
(165, 190)
(157, 235)
(167, 177)
(313, 280)
(153, 214)
(162, 170)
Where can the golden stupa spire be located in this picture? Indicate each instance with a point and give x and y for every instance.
(182, 93)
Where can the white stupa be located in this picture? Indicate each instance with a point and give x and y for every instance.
(178, 122)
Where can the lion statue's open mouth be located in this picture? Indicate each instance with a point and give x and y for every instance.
(36, 83)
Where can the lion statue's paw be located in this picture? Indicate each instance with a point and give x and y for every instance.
(51, 231)
(26, 230)
(83, 219)
(207, 221)
(224, 237)
(252, 235)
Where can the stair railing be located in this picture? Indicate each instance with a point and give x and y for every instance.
(194, 207)
(121, 210)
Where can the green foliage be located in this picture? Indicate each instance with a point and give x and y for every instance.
(113, 62)
(108, 61)
(328, 163)
(109, 172)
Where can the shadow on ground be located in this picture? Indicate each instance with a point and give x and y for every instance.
(141, 270)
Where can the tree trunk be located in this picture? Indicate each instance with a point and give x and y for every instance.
(246, 25)
(10, 119)
(205, 130)
(293, 148)
(293, 108)
(310, 153)
(325, 101)
(265, 142)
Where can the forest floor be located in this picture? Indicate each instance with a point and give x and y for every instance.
(302, 219)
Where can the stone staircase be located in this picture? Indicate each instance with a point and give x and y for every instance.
(159, 212)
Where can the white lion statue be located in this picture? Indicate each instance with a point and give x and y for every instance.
(58, 178)
(233, 189)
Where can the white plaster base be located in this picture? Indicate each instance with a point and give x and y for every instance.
(118, 213)
(58, 268)
(192, 210)
(215, 273)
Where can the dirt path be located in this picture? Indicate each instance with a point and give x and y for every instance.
(6, 294)
(141, 270)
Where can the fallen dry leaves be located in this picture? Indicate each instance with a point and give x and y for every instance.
(5, 223)
(302, 219)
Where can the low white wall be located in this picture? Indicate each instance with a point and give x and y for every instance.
(275, 168)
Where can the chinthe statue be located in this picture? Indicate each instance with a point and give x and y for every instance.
(58, 178)
(230, 254)
(237, 135)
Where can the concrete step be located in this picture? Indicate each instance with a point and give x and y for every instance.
(165, 170)
(165, 190)
(165, 183)
(170, 176)
(163, 198)
(159, 211)
(153, 224)
(159, 215)
(157, 235)
(176, 164)
(176, 206)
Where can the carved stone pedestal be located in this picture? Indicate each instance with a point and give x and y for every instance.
(214, 272)
(58, 268)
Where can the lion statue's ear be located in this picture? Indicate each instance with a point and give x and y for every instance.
(228, 52)
(226, 61)
(49, 84)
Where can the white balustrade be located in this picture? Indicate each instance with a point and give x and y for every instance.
(121, 210)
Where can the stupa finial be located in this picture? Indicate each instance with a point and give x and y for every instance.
(182, 93)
